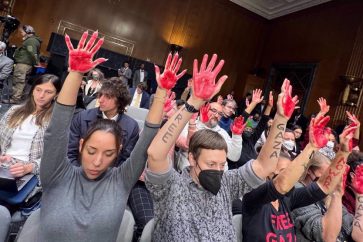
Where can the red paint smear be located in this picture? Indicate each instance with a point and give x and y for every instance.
(237, 127)
(204, 85)
(204, 113)
(288, 105)
(168, 79)
(358, 179)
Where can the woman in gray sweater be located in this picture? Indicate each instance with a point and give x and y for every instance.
(87, 203)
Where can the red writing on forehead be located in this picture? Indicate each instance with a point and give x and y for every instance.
(281, 222)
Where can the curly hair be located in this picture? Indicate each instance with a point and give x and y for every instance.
(114, 87)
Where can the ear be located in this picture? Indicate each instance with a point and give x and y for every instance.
(192, 161)
(81, 145)
(120, 148)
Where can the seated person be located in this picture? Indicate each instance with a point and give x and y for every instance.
(229, 109)
(23, 127)
(87, 203)
(250, 136)
(324, 220)
(113, 98)
(196, 205)
(212, 113)
(139, 97)
(93, 85)
(270, 204)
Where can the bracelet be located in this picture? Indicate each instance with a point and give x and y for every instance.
(190, 108)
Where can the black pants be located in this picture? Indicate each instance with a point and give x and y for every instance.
(141, 206)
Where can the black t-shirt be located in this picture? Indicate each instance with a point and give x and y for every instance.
(263, 223)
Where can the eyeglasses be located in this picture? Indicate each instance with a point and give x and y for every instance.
(215, 111)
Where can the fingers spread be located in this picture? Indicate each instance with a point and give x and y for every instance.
(82, 40)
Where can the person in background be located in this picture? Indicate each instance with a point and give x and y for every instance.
(139, 97)
(113, 98)
(140, 76)
(6, 67)
(250, 136)
(25, 57)
(125, 73)
(229, 110)
(91, 88)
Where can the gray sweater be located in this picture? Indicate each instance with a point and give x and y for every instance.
(75, 208)
(308, 222)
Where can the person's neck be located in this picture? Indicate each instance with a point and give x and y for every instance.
(193, 175)
(110, 114)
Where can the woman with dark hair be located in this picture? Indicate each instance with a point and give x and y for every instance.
(87, 203)
(23, 127)
(92, 87)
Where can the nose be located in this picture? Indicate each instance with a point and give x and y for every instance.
(97, 160)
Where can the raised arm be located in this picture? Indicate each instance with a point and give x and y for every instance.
(256, 99)
(317, 139)
(267, 159)
(330, 179)
(324, 107)
(54, 159)
(354, 119)
(357, 233)
(203, 89)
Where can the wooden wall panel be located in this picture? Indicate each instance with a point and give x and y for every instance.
(199, 26)
(324, 34)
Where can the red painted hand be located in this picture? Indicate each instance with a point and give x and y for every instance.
(168, 79)
(318, 133)
(358, 179)
(238, 126)
(204, 86)
(204, 113)
(346, 137)
(169, 102)
(287, 102)
(324, 107)
(80, 59)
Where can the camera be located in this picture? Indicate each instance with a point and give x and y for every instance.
(10, 25)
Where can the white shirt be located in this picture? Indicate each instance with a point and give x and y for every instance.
(234, 145)
(22, 139)
(114, 118)
(134, 99)
(142, 75)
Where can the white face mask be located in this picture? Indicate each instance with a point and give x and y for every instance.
(289, 144)
(330, 145)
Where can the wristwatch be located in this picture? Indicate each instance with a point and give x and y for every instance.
(190, 108)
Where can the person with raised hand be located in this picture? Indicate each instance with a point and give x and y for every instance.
(210, 116)
(250, 136)
(87, 203)
(272, 202)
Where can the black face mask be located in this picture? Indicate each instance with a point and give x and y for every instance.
(210, 180)
(246, 134)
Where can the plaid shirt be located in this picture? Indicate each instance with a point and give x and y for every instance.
(36, 148)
